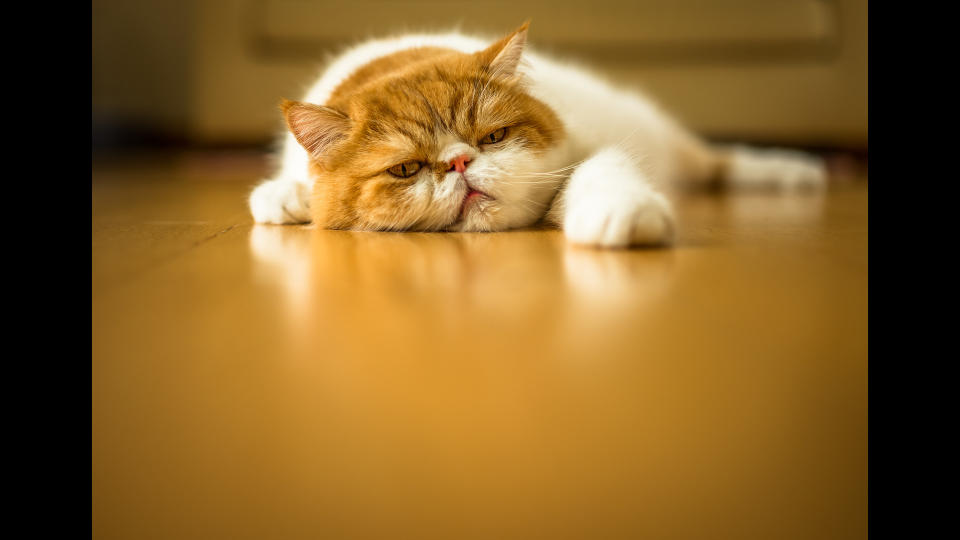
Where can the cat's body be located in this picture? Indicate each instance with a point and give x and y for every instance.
(498, 138)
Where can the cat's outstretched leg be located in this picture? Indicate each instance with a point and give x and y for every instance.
(280, 201)
(745, 167)
(608, 201)
(742, 167)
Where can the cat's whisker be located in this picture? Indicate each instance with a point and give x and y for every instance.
(540, 175)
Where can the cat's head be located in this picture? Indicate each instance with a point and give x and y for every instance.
(431, 139)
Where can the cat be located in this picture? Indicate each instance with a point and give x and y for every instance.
(448, 132)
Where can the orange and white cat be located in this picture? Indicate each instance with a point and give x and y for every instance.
(451, 133)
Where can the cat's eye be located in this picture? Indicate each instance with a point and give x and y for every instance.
(405, 169)
(494, 137)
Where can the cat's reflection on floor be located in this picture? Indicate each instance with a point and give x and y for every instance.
(501, 282)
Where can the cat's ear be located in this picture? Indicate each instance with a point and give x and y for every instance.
(316, 128)
(503, 57)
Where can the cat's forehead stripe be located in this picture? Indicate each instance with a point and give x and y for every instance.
(430, 102)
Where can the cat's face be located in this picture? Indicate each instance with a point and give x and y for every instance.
(430, 139)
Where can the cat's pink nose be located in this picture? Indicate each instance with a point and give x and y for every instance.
(459, 163)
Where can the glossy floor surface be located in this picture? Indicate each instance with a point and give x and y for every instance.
(269, 382)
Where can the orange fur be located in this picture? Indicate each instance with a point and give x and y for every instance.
(399, 108)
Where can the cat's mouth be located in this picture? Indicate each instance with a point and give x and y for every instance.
(472, 197)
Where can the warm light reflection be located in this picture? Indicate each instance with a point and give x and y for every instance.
(524, 378)
(293, 382)
(753, 210)
(463, 287)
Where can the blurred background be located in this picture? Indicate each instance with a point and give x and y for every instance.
(209, 73)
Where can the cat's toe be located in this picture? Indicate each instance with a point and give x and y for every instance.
(280, 202)
(621, 222)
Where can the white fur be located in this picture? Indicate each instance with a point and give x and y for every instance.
(610, 199)
(610, 202)
(281, 201)
(776, 168)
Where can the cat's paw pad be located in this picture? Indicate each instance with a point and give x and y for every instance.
(778, 169)
(280, 202)
(610, 221)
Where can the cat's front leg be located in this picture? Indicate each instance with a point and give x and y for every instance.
(280, 201)
(608, 201)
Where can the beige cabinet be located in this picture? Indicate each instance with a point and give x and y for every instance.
(790, 71)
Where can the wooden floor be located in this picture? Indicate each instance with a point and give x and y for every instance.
(270, 382)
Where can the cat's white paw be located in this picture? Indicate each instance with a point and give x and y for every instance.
(638, 217)
(787, 170)
(280, 201)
